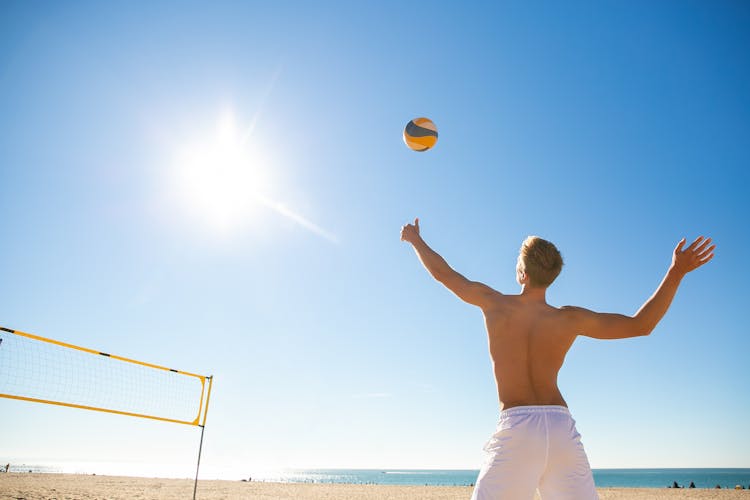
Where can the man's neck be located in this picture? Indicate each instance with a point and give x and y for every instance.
(534, 294)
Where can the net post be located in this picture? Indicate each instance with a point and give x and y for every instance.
(203, 429)
(198, 466)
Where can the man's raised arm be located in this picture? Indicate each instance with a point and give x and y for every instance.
(472, 292)
(617, 326)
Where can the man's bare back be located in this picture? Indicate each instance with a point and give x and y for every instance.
(528, 339)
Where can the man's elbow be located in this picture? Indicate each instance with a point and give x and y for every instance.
(629, 327)
(642, 329)
(643, 333)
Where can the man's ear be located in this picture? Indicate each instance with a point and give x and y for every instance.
(521, 276)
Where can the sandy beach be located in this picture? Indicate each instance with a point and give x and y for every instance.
(25, 486)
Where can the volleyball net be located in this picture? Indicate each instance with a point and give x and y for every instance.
(42, 370)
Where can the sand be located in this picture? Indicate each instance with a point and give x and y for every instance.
(25, 486)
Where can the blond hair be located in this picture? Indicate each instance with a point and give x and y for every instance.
(540, 260)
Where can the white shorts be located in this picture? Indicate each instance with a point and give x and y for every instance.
(535, 447)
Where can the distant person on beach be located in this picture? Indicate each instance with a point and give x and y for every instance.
(536, 444)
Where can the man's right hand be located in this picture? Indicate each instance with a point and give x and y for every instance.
(693, 257)
(410, 232)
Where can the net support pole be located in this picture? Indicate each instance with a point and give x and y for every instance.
(203, 429)
(197, 467)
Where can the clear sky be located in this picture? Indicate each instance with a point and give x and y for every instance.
(219, 187)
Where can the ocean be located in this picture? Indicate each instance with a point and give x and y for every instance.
(617, 478)
(620, 478)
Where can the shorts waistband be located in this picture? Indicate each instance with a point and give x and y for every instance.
(529, 410)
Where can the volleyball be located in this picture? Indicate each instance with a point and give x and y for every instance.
(420, 134)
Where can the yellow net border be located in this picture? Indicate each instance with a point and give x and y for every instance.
(199, 420)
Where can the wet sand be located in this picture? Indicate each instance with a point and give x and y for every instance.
(25, 486)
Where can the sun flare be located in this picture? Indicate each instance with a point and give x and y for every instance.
(224, 181)
(222, 178)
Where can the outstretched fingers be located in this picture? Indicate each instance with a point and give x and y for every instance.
(695, 243)
(706, 255)
(703, 245)
(699, 252)
(703, 253)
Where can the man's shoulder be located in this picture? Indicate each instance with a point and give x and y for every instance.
(575, 317)
(573, 310)
(497, 301)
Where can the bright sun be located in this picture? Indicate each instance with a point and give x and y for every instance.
(222, 180)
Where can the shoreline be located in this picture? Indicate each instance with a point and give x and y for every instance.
(45, 486)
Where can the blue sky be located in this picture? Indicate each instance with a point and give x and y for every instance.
(613, 129)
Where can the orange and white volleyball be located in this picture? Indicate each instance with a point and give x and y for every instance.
(420, 134)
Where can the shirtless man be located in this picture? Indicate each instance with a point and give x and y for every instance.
(536, 444)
